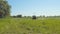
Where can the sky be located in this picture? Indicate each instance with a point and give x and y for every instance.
(35, 7)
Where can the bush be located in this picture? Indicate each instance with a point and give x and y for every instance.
(19, 16)
(33, 17)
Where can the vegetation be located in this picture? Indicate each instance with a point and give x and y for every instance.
(34, 17)
(26, 25)
(19, 16)
(4, 8)
(29, 26)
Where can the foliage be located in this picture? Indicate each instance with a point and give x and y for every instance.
(4, 8)
(19, 16)
(33, 17)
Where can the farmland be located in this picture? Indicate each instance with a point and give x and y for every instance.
(29, 26)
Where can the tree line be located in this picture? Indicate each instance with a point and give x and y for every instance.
(5, 10)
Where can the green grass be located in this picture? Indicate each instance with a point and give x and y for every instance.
(29, 26)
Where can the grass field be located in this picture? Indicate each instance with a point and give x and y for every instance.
(29, 26)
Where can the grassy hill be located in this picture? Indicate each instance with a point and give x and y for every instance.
(29, 26)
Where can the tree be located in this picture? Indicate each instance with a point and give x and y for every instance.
(4, 8)
(20, 16)
(33, 17)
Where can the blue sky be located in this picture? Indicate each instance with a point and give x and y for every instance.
(35, 7)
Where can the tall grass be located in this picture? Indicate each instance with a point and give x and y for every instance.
(29, 26)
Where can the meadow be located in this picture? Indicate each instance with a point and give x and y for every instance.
(29, 26)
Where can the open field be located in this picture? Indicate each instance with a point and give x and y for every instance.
(29, 26)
